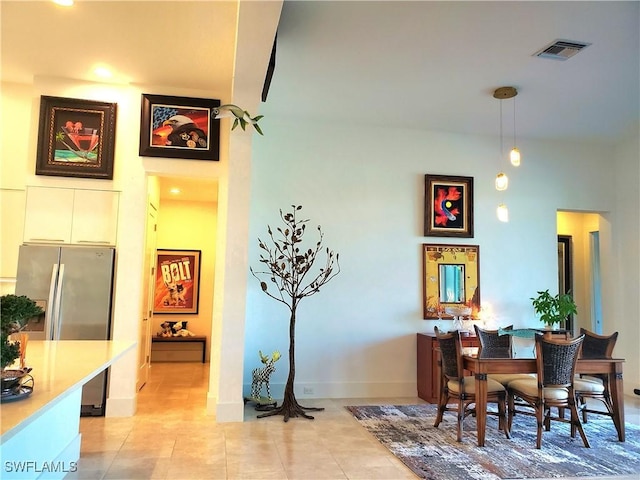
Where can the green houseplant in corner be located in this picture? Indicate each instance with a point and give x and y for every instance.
(553, 309)
(15, 311)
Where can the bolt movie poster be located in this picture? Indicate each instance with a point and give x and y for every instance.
(177, 279)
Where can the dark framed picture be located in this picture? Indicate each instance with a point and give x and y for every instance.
(177, 282)
(76, 138)
(451, 281)
(179, 127)
(448, 208)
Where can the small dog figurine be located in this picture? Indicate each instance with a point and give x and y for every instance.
(179, 331)
(166, 330)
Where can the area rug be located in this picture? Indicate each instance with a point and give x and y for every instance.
(434, 454)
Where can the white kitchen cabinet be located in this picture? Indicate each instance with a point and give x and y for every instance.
(95, 217)
(71, 216)
(11, 227)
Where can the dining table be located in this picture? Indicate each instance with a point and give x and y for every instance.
(485, 362)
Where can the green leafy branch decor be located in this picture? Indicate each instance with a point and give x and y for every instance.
(553, 309)
(14, 313)
(242, 117)
(287, 265)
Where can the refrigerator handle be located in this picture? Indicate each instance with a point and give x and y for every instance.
(50, 315)
(57, 318)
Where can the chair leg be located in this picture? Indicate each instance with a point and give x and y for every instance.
(442, 406)
(547, 419)
(502, 417)
(460, 418)
(575, 423)
(540, 408)
(582, 407)
(607, 402)
(511, 412)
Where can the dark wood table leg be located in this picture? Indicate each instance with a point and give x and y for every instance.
(481, 406)
(617, 398)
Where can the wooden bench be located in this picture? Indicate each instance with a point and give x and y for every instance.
(166, 348)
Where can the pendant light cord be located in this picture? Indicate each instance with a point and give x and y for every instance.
(514, 123)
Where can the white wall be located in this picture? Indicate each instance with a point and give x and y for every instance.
(130, 179)
(365, 186)
(626, 262)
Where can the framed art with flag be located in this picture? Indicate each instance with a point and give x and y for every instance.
(179, 127)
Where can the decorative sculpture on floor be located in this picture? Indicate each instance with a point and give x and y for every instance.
(260, 378)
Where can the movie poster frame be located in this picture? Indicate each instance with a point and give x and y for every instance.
(162, 299)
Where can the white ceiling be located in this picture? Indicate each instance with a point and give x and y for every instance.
(417, 64)
(435, 65)
(185, 44)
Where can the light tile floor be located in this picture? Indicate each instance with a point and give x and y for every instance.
(172, 438)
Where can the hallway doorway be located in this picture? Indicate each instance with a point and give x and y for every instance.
(581, 250)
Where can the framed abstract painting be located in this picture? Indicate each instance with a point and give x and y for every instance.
(448, 206)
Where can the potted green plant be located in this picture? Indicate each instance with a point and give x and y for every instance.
(553, 309)
(14, 312)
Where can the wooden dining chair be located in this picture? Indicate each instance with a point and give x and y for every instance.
(494, 344)
(459, 390)
(595, 386)
(554, 386)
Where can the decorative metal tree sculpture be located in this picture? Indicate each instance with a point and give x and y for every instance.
(288, 264)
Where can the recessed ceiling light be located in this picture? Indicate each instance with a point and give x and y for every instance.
(103, 72)
(174, 191)
(63, 3)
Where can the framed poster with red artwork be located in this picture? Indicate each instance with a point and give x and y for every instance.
(177, 281)
(448, 210)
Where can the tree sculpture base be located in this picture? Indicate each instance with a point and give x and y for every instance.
(289, 410)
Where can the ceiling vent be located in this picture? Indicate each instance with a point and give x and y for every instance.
(561, 49)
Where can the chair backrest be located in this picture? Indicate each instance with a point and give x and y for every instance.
(556, 359)
(491, 338)
(450, 353)
(597, 346)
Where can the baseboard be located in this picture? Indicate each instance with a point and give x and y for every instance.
(344, 389)
(229, 412)
(121, 407)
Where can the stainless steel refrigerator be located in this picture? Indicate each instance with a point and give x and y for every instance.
(74, 286)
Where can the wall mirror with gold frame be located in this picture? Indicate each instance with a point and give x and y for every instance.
(451, 281)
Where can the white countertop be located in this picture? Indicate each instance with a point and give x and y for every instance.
(58, 367)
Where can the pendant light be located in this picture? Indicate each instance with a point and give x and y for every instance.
(514, 154)
(502, 181)
(503, 213)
